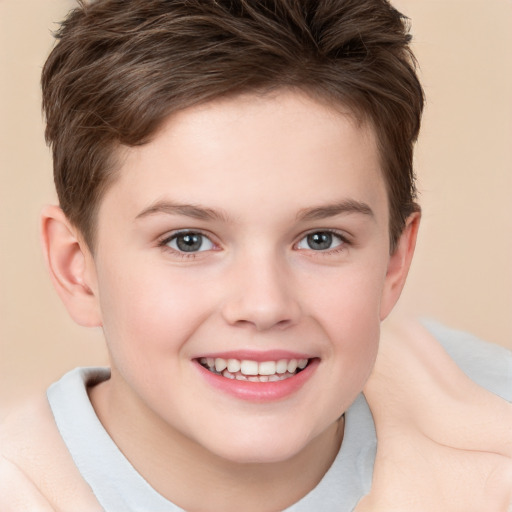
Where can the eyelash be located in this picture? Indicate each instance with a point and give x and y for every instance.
(182, 254)
(327, 252)
(164, 243)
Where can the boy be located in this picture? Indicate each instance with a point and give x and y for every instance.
(237, 211)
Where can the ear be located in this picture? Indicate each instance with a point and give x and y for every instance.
(71, 267)
(399, 264)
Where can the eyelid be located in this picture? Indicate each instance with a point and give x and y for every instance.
(164, 241)
(345, 241)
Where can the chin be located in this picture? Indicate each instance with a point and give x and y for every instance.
(272, 449)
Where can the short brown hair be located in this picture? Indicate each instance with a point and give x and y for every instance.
(120, 67)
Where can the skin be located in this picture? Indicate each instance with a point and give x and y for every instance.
(261, 173)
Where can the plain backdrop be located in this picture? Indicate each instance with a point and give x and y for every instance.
(462, 273)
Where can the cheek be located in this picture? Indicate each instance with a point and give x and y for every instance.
(348, 299)
(148, 314)
(349, 312)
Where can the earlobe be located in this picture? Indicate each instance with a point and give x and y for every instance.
(399, 264)
(71, 267)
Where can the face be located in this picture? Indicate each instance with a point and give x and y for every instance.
(242, 265)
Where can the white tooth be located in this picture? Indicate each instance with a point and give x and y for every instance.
(281, 366)
(292, 365)
(210, 362)
(253, 379)
(302, 364)
(239, 376)
(274, 378)
(220, 364)
(264, 378)
(228, 375)
(233, 365)
(267, 368)
(202, 360)
(249, 367)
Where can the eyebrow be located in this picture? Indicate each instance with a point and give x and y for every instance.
(346, 206)
(188, 210)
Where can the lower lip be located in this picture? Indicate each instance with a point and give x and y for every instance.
(260, 391)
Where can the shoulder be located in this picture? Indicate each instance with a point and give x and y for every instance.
(444, 437)
(17, 492)
(487, 364)
(36, 470)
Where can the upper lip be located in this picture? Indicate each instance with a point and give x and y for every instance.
(259, 356)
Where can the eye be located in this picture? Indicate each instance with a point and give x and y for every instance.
(189, 241)
(321, 241)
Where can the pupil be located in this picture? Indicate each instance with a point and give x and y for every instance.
(320, 241)
(189, 242)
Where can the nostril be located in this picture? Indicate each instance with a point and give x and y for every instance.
(263, 316)
(284, 323)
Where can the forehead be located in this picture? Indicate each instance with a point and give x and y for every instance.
(255, 150)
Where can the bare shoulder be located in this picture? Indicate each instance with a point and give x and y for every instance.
(36, 470)
(444, 441)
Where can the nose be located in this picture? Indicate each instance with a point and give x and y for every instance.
(261, 294)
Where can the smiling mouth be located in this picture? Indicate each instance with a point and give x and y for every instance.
(254, 371)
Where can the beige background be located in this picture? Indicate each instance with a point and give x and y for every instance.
(463, 270)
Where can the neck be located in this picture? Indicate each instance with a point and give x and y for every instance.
(176, 466)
